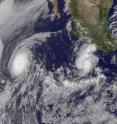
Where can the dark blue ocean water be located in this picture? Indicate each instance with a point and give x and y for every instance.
(59, 48)
(58, 51)
(57, 24)
(105, 57)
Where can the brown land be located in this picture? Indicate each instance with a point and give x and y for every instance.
(93, 15)
(56, 9)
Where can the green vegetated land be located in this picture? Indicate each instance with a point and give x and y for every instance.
(93, 18)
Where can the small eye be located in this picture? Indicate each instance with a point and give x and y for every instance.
(20, 64)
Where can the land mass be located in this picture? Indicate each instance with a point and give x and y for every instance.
(56, 9)
(91, 21)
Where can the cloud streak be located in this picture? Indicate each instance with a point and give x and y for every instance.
(17, 23)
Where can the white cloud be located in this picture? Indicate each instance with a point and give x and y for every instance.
(86, 60)
(22, 57)
(1, 48)
(13, 18)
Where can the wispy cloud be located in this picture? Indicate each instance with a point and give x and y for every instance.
(17, 22)
(14, 17)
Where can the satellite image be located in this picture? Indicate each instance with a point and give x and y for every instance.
(58, 61)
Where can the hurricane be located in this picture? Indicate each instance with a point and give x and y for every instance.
(47, 75)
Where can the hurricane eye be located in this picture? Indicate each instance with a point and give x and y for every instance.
(19, 64)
